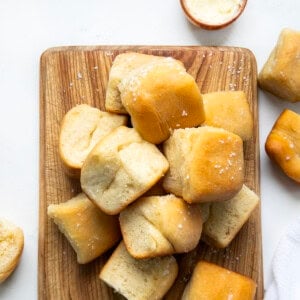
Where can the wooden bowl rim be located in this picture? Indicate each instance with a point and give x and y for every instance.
(210, 26)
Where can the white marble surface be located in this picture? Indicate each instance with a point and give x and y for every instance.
(29, 27)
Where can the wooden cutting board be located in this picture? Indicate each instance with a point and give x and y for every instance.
(74, 75)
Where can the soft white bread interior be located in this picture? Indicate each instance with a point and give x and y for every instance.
(11, 247)
(90, 231)
(82, 127)
(227, 218)
(160, 225)
(121, 168)
(122, 65)
(160, 97)
(281, 72)
(229, 110)
(212, 282)
(206, 164)
(139, 279)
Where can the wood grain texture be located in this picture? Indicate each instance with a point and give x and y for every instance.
(74, 75)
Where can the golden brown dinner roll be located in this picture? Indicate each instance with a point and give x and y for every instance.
(283, 144)
(139, 279)
(226, 218)
(281, 73)
(160, 225)
(229, 110)
(206, 164)
(11, 247)
(82, 127)
(211, 282)
(160, 97)
(122, 65)
(120, 168)
(89, 231)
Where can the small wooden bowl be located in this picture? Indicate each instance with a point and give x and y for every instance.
(211, 26)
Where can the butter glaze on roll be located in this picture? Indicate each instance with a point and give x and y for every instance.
(206, 164)
(229, 110)
(161, 97)
(283, 144)
(212, 282)
(122, 65)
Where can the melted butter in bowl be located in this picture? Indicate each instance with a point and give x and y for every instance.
(213, 14)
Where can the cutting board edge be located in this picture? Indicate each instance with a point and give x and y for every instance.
(57, 49)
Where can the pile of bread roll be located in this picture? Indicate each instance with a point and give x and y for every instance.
(158, 187)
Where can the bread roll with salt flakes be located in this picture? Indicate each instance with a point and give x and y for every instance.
(206, 164)
(226, 218)
(229, 110)
(211, 282)
(160, 225)
(120, 169)
(82, 127)
(89, 231)
(122, 65)
(283, 144)
(281, 73)
(11, 248)
(139, 279)
(161, 97)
